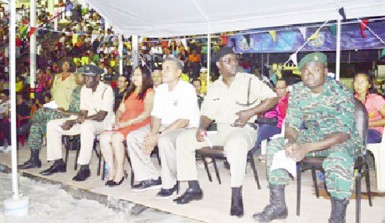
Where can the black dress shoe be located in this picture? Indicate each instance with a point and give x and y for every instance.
(236, 207)
(188, 196)
(147, 185)
(113, 183)
(109, 182)
(55, 168)
(82, 175)
(31, 163)
(166, 193)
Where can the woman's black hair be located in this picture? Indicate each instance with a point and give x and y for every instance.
(146, 83)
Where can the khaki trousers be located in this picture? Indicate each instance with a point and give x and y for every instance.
(167, 153)
(142, 164)
(54, 137)
(87, 130)
(236, 141)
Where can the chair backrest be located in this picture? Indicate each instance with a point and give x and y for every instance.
(361, 117)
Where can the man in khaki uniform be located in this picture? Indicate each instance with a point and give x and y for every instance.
(96, 115)
(233, 101)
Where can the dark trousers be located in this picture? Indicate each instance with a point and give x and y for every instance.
(374, 136)
(5, 132)
(265, 131)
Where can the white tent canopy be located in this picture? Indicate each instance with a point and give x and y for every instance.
(169, 18)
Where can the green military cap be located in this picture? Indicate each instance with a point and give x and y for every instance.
(313, 57)
(90, 69)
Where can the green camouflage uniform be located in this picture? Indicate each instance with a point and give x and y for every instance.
(44, 115)
(330, 112)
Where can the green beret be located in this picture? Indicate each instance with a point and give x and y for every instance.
(313, 57)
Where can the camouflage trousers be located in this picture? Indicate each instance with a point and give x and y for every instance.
(39, 126)
(338, 166)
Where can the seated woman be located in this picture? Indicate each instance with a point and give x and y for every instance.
(267, 130)
(133, 113)
(374, 104)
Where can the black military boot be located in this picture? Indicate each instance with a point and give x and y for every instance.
(236, 202)
(338, 212)
(276, 209)
(33, 162)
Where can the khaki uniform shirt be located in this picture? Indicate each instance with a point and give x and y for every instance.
(222, 103)
(62, 90)
(100, 100)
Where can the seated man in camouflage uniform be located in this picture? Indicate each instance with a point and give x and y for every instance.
(61, 92)
(55, 133)
(327, 110)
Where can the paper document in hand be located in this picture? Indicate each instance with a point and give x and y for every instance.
(281, 161)
(209, 143)
(51, 105)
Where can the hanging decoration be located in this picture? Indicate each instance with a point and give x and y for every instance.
(341, 11)
(333, 29)
(273, 34)
(382, 54)
(313, 36)
(294, 59)
(303, 31)
(363, 25)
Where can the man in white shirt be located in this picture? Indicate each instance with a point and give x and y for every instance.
(175, 109)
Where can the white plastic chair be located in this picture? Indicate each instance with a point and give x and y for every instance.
(378, 151)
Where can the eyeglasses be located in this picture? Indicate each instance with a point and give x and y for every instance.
(230, 60)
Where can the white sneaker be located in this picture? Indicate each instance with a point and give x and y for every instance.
(1, 148)
(7, 149)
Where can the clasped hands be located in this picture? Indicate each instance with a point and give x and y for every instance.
(295, 151)
(118, 125)
(69, 123)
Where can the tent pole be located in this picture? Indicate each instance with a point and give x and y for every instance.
(17, 205)
(120, 54)
(338, 47)
(262, 66)
(32, 47)
(208, 58)
(12, 85)
(135, 50)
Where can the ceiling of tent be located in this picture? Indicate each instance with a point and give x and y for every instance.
(168, 18)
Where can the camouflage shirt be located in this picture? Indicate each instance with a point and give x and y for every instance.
(75, 100)
(323, 114)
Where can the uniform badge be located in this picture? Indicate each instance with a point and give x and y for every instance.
(316, 58)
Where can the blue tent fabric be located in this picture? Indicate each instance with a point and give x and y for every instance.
(290, 39)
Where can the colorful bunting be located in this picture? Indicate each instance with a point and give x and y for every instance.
(342, 13)
(303, 31)
(363, 26)
(31, 31)
(273, 34)
(293, 58)
(382, 54)
(313, 36)
(333, 29)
